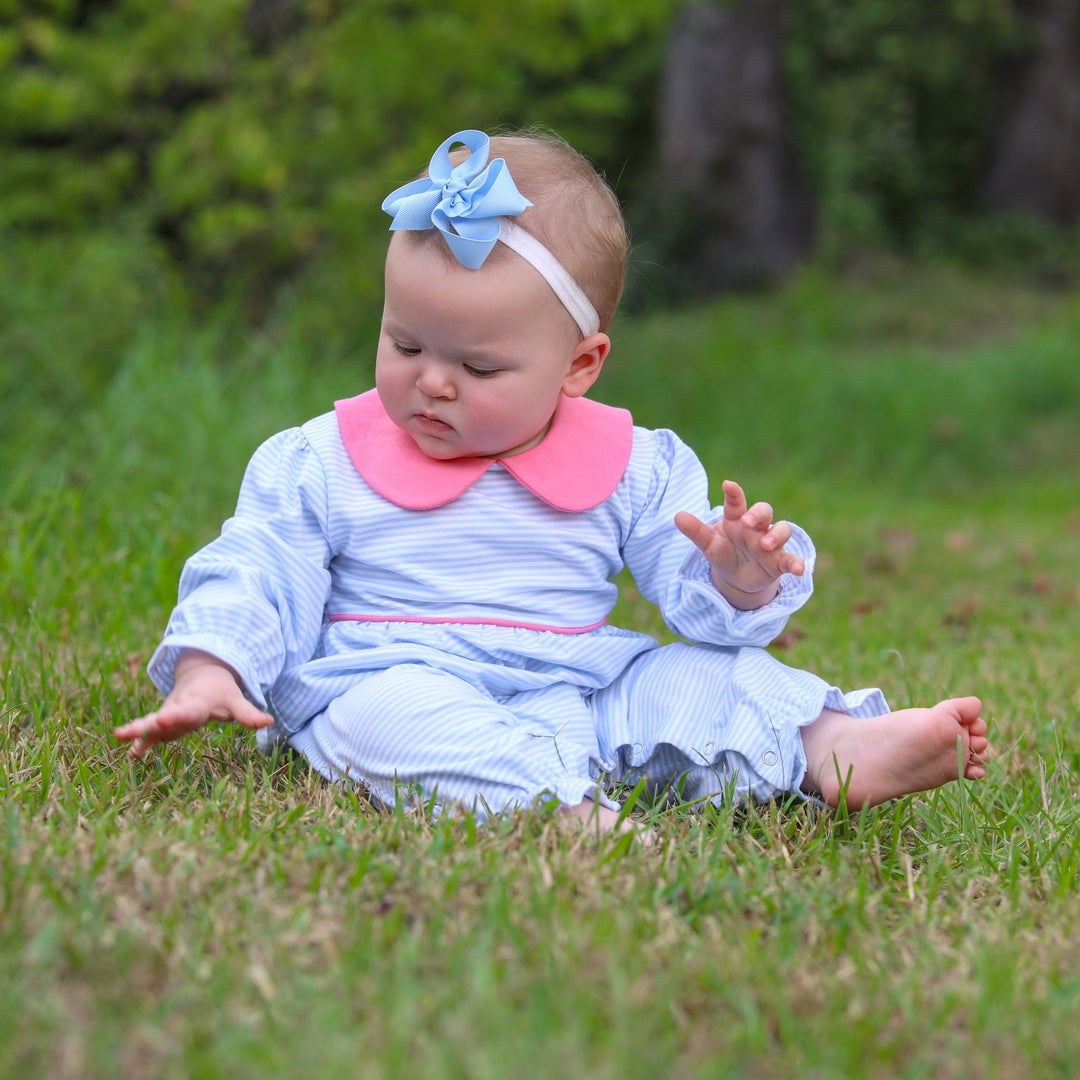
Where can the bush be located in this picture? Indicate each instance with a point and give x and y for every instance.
(231, 155)
(893, 100)
(253, 138)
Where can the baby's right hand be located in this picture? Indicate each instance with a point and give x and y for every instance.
(205, 690)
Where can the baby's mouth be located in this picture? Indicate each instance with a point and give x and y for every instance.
(432, 424)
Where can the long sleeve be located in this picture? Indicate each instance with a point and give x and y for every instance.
(255, 597)
(671, 572)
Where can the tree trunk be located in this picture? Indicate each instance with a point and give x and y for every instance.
(1036, 165)
(737, 210)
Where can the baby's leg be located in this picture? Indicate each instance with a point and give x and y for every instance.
(415, 727)
(714, 723)
(887, 756)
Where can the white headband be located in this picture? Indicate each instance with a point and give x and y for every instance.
(554, 273)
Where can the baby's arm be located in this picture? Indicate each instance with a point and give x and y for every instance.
(205, 689)
(745, 550)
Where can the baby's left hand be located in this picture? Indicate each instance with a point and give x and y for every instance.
(745, 549)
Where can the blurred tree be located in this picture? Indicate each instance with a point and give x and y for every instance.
(734, 207)
(248, 136)
(1035, 167)
(893, 99)
(237, 146)
(889, 123)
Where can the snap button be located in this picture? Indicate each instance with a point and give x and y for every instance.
(769, 757)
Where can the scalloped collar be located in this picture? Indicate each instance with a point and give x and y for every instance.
(577, 466)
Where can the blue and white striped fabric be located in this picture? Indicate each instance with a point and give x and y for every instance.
(524, 691)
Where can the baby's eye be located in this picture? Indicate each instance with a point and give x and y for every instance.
(481, 373)
(406, 350)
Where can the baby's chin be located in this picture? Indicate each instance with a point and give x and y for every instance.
(448, 449)
(439, 450)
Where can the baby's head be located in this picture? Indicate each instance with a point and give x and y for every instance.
(501, 281)
(574, 214)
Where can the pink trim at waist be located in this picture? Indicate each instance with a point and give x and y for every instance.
(469, 622)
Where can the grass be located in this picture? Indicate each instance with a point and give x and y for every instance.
(207, 913)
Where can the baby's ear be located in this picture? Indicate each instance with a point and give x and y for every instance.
(585, 365)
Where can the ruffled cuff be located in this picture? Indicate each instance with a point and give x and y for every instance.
(701, 613)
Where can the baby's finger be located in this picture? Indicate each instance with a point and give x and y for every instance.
(776, 536)
(734, 501)
(167, 723)
(135, 729)
(251, 717)
(759, 516)
(792, 564)
(141, 734)
(694, 529)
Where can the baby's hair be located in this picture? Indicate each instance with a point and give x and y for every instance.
(575, 215)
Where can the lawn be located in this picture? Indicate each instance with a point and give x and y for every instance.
(208, 913)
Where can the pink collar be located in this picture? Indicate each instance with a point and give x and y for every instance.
(577, 466)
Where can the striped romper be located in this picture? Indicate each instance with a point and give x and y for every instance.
(440, 627)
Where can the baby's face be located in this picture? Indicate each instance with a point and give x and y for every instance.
(471, 363)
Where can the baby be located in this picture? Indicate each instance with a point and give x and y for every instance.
(416, 585)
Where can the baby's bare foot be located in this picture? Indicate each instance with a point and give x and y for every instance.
(601, 819)
(884, 757)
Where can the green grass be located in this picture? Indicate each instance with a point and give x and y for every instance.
(206, 913)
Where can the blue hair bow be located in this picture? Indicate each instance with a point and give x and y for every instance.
(463, 203)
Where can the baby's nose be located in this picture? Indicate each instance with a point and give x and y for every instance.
(434, 381)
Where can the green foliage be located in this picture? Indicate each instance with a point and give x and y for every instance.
(253, 137)
(70, 305)
(229, 156)
(893, 99)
